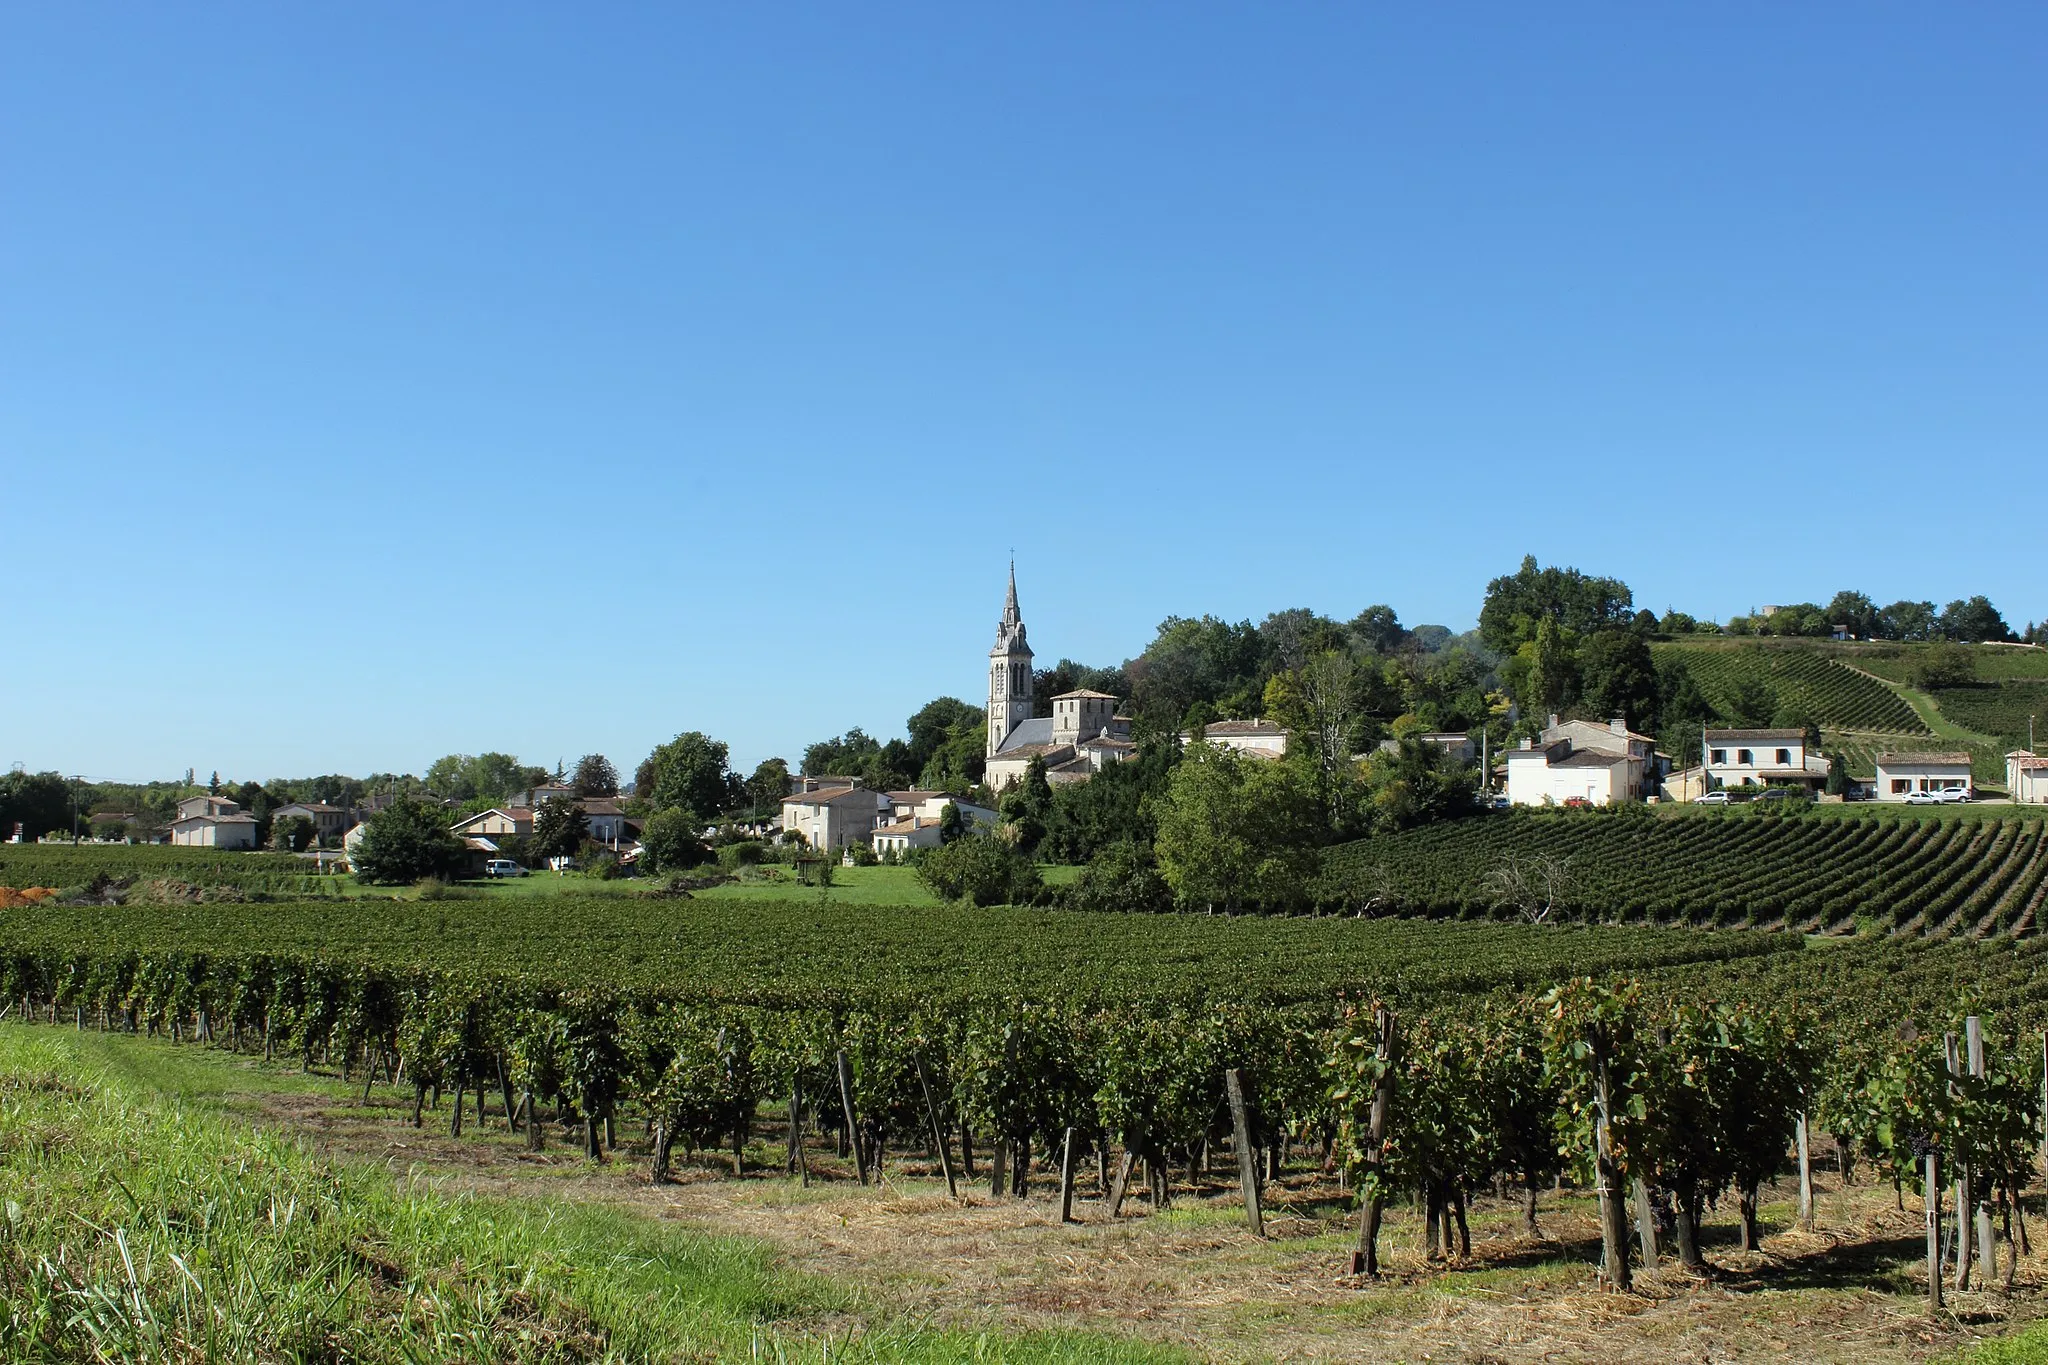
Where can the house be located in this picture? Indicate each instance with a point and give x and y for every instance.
(930, 805)
(496, 825)
(1900, 775)
(1595, 762)
(1759, 758)
(1256, 737)
(2026, 777)
(329, 822)
(1460, 747)
(607, 821)
(1083, 732)
(1556, 774)
(833, 817)
(213, 822)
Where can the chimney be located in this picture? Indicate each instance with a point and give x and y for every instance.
(1553, 720)
(1619, 725)
(1528, 744)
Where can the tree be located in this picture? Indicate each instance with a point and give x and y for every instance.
(294, 835)
(1516, 604)
(1123, 878)
(1618, 678)
(952, 825)
(1553, 676)
(213, 783)
(39, 802)
(768, 785)
(595, 776)
(1907, 621)
(1534, 885)
(690, 771)
(1236, 831)
(1378, 629)
(559, 828)
(1314, 702)
(1856, 612)
(1752, 702)
(1973, 620)
(981, 870)
(404, 842)
(491, 776)
(1416, 783)
(1945, 664)
(669, 842)
(1027, 807)
(1839, 780)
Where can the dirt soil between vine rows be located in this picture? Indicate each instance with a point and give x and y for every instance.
(1193, 1275)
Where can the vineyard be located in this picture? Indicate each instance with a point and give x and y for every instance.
(1803, 680)
(2001, 710)
(1897, 662)
(1412, 1056)
(67, 866)
(1916, 878)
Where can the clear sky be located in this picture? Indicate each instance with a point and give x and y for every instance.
(384, 380)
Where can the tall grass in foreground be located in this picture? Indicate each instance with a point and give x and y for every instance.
(134, 1227)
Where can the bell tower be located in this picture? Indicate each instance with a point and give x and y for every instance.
(1009, 672)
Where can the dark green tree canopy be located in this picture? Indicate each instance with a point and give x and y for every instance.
(595, 776)
(690, 771)
(404, 842)
(1517, 603)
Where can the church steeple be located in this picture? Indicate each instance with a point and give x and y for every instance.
(1009, 672)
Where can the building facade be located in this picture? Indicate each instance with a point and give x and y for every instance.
(1901, 775)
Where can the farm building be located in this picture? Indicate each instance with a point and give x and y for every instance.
(2026, 777)
(1257, 737)
(1900, 775)
(329, 822)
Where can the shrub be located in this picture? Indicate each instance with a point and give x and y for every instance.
(863, 855)
(670, 843)
(981, 870)
(747, 853)
(404, 842)
(1123, 877)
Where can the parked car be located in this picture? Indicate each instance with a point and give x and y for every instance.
(503, 867)
(1777, 794)
(1923, 798)
(1954, 795)
(1713, 799)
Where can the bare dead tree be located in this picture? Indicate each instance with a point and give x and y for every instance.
(1533, 884)
(1371, 888)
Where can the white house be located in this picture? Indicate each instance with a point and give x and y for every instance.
(833, 817)
(213, 822)
(1757, 758)
(607, 823)
(2026, 777)
(1258, 737)
(1900, 775)
(1596, 762)
(497, 825)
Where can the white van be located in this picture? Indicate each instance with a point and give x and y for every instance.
(503, 867)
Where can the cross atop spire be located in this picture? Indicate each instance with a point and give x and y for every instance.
(1010, 616)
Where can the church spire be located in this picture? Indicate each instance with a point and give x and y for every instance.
(1010, 616)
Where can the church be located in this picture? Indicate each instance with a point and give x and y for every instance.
(1083, 732)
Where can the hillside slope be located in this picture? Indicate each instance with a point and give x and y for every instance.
(1916, 877)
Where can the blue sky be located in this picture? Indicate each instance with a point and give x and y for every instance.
(381, 381)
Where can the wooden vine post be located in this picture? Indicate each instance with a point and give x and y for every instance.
(931, 1112)
(1365, 1258)
(1247, 1158)
(1067, 1178)
(1987, 1245)
(1805, 1177)
(1961, 1176)
(860, 1162)
(797, 1157)
(1933, 1202)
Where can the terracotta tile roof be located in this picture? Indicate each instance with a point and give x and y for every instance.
(832, 796)
(1755, 736)
(1242, 727)
(1948, 757)
(1103, 696)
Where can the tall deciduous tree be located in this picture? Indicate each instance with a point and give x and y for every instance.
(404, 842)
(1236, 831)
(690, 771)
(559, 828)
(595, 776)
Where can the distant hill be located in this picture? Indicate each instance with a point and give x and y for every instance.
(1803, 677)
